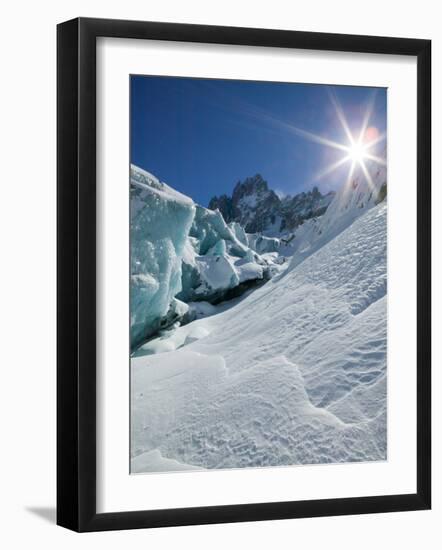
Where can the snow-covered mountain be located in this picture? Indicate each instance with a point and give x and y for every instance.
(259, 209)
(354, 198)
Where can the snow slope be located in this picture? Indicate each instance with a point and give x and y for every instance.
(293, 374)
(353, 199)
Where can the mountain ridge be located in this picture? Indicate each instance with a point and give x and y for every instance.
(259, 209)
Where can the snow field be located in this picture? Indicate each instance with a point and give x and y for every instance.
(292, 374)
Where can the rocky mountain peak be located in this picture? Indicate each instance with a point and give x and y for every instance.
(255, 185)
(259, 209)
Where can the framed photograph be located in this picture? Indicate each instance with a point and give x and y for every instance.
(243, 274)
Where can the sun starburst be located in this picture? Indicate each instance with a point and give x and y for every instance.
(358, 149)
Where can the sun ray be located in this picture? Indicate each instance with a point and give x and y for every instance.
(367, 116)
(303, 133)
(367, 175)
(260, 114)
(376, 141)
(318, 139)
(330, 169)
(377, 159)
(356, 150)
(346, 188)
(350, 173)
(340, 114)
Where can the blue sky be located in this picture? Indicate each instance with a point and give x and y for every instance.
(201, 136)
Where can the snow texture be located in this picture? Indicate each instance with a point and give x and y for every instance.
(294, 373)
(350, 202)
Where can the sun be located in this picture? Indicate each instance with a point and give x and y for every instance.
(356, 152)
(358, 149)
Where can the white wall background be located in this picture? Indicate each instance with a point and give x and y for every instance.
(27, 291)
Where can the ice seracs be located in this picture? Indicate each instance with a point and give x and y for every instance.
(217, 258)
(181, 252)
(160, 222)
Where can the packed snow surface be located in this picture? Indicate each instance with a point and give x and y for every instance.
(294, 373)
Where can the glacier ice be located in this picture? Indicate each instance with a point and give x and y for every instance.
(209, 227)
(217, 273)
(263, 244)
(217, 258)
(180, 252)
(218, 249)
(239, 233)
(160, 222)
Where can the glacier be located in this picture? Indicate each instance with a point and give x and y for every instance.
(182, 252)
(292, 373)
(217, 258)
(160, 220)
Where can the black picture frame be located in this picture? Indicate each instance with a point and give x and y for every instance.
(76, 274)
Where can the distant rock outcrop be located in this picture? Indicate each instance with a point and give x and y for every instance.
(259, 209)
